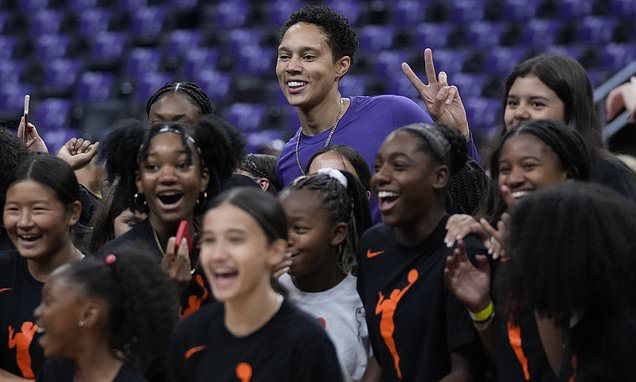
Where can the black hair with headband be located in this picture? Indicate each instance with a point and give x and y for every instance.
(193, 91)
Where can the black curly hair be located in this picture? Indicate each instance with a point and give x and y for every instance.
(565, 142)
(348, 205)
(341, 37)
(12, 150)
(571, 252)
(218, 144)
(190, 89)
(141, 298)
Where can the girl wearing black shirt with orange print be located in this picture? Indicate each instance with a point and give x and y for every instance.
(41, 205)
(253, 334)
(418, 330)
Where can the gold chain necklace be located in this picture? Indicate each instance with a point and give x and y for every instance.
(327, 142)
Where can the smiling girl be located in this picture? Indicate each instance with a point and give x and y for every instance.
(261, 336)
(41, 205)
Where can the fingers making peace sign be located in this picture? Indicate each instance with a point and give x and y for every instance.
(442, 101)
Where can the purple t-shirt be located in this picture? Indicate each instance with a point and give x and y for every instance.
(365, 125)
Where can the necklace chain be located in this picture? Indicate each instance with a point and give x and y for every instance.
(329, 137)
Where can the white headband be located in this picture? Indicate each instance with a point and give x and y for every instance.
(335, 174)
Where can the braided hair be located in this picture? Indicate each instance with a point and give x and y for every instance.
(141, 299)
(348, 205)
(193, 91)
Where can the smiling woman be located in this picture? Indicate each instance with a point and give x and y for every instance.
(263, 337)
(177, 167)
(41, 206)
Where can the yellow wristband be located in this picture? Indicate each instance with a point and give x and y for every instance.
(484, 314)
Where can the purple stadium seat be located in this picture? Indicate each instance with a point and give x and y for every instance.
(241, 37)
(540, 32)
(375, 38)
(215, 84)
(433, 35)
(353, 85)
(483, 113)
(519, 10)
(254, 59)
(199, 59)
(351, 9)
(247, 117)
(623, 8)
(81, 5)
(181, 41)
(399, 84)
(597, 77)
(148, 84)
(94, 87)
(572, 51)
(141, 61)
(61, 74)
(10, 71)
(279, 10)
(615, 56)
(50, 46)
(569, 9)
(107, 47)
(93, 21)
(131, 5)
(408, 12)
(469, 85)
(29, 6)
(52, 114)
(484, 34)
(46, 21)
(388, 63)
(259, 140)
(7, 45)
(12, 96)
(463, 11)
(147, 23)
(596, 30)
(448, 60)
(231, 14)
(5, 18)
(501, 60)
(183, 5)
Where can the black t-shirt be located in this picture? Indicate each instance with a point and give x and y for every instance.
(414, 320)
(291, 347)
(61, 370)
(614, 174)
(520, 354)
(196, 294)
(20, 294)
(601, 351)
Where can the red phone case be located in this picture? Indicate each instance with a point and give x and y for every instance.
(183, 232)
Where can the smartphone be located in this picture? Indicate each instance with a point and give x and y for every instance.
(27, 101)
(184, 232)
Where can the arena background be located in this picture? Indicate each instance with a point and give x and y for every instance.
(88, 63)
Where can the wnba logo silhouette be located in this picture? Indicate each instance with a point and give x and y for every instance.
(244, 372)
(22, 341)
(387, 307)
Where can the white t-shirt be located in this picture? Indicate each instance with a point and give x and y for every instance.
(339, 310)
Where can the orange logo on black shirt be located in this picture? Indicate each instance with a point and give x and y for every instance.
(371, 254)
(4, 290)
(514, 338)
(193, 350)
(21, 341)
(387, 308)
(194, 301)
(244, 372)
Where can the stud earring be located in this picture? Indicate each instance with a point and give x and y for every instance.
(139, 199)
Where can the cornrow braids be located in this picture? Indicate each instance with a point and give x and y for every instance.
(345, 205)
(190, 89)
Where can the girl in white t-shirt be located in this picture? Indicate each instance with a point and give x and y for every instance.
(326, 214)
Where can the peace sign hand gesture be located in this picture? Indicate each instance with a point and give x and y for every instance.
(441, 100)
